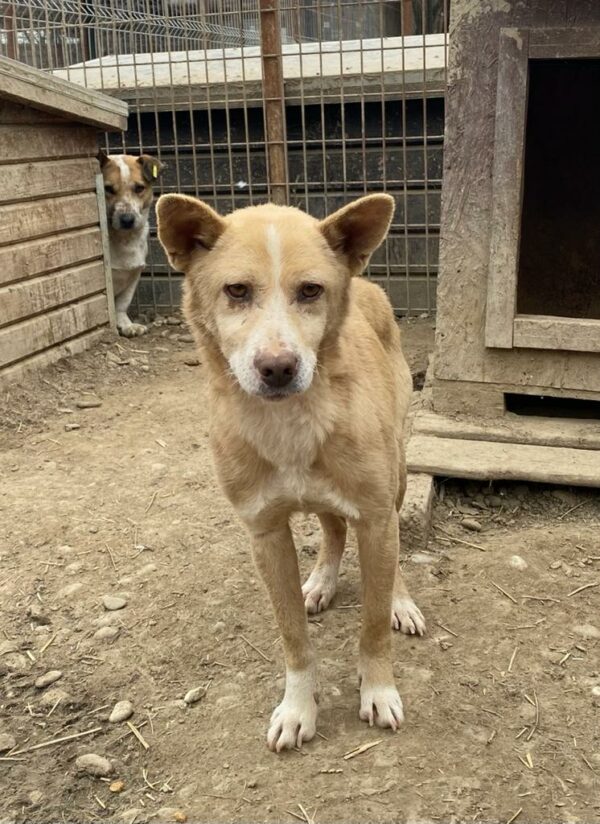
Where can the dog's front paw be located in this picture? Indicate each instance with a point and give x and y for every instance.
(407, 617)
(295, 719)
(380, 705)
(319, 588)
(132, 330)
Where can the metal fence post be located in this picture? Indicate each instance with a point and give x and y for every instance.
(274, 100)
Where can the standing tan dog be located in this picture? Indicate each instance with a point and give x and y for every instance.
(309, 392)
(128, 182)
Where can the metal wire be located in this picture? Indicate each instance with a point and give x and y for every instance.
(364, 82)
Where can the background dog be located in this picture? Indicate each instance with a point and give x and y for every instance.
(309, 392)
(128, 185)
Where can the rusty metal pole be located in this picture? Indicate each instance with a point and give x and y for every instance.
(10, 26)
(274, 101)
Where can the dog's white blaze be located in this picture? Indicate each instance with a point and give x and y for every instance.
(123, 168)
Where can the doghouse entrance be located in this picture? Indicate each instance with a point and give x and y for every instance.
(559, 255)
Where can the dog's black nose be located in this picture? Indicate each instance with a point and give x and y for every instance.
(277, 371)
(127, 221)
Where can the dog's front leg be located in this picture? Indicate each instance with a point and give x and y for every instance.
(378, 547)
(294, 720)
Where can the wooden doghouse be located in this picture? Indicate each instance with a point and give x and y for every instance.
(55, 287)
(514, 384)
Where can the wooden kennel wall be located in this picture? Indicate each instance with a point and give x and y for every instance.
(515, 378)
(55, 292)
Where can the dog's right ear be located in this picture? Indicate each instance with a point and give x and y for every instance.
(186, 226)
(102, 158)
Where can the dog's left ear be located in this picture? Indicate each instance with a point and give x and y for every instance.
(152, 168)
(356, 230)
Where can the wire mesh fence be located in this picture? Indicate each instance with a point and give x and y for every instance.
(308, 102)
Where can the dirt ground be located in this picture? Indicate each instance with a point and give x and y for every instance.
(501, 696)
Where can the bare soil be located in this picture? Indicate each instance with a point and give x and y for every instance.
(501, 696)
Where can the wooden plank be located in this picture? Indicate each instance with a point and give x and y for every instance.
(42, 143)
(30, 297)
(46, 217)
(480, 460)
(565, 42)
(110, 296)
(574, 434)
(16, 114)
(547, 332)
(35, 257)
(509, 152)
(35, 363)
(24, 339)
(24, 84)
(27, 181)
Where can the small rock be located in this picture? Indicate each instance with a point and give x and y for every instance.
(192, 362)
(7, 742)
(94, 530)
(53, 697)
(171, 814)
(69, 590)
(596, 690)
(516, 562)
(93, 764)
(109, 619)
(422, 558)
(107, 633)
(186, 338)
(114, 602)
(71, 427)
(471, 524)
(35, 798)
(37, 614)
(88, 404)
(194, 695)
(48, 678)
(121, 712)
(587, 631)
(252, 784)
(556, 564)
(219, 627)
(171, 321)
(117, 786)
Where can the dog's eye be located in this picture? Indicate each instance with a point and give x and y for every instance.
(238, 291)
(139, 189)
(110, 190)
(309, 291)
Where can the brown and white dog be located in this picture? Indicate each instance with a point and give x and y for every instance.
(128, 185)
(309, 391)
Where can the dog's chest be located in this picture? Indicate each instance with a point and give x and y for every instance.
(290, 444)
(130, 252)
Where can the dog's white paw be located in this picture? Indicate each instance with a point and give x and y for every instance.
(407, 617)
(319, 588)
(295, 719)
(132, 330)
(381, 705)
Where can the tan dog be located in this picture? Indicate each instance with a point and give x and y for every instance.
(309, 391)
(128, 185)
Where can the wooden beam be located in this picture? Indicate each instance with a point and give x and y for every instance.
(24, 84)
(28, 181)
(481, 460)
(31, 297)
(35, 257)
(30, 143)
(21, 340)
(274, 100)
(46, 217)
(548, 332)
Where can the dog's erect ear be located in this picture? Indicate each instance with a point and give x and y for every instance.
(186, 225)
(356, 230)
(102, 158)
(152, 168)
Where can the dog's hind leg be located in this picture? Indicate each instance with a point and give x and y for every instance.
(378, 547)
(294, 720)
(321, 584)
(406, 615)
